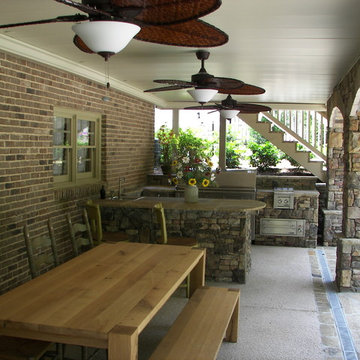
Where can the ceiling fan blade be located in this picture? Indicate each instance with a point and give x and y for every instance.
(168, 12)
(85, 8)
(193, 33)
(65, 18)
(246, 89)
(226, 84)
(81, 45)
(166, 88)
(251, 108)
(204, 107)
(175, 82)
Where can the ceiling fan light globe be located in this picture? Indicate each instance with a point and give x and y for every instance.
(202, 96)
(106, 36)
(228, 114)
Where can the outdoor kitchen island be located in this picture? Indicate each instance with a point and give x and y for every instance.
(221, 226)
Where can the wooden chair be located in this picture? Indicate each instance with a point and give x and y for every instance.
(173, 240)
(80, 234)
(12, 348)
(81, 240)
(41, 253)
(94, 214)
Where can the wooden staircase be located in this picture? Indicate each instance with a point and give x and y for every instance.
(264, 128)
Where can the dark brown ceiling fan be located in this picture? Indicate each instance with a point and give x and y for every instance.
(169, 22)
(229, 108)
(204, 80)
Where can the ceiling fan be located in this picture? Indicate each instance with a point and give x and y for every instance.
(229, 108)
(207, 82)
(169, 22)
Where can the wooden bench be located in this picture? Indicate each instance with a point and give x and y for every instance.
(209, 317)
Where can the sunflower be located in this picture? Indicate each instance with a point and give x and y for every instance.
(175, 180)
(192, 181)
(174, 163)
(205, 183)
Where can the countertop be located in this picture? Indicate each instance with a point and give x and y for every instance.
(180, 204)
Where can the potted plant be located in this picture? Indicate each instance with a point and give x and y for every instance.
(192, 166)
(167, 140)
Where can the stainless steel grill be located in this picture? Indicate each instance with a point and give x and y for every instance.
(283, 198)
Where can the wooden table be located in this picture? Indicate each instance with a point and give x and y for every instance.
(103, 298)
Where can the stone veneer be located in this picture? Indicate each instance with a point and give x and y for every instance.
(332, 227)
(225, 235)
(306, 205)
(346, 100)
(348, 265)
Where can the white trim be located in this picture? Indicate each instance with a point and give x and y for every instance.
(31, 52)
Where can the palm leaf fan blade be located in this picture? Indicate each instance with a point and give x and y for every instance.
(167, 88)
(81, 45)
(162, 12)
(246, 89)
(194, 33)
(251, 108)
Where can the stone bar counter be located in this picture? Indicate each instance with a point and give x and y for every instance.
(221, 226)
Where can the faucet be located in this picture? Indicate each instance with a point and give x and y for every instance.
(121, 180)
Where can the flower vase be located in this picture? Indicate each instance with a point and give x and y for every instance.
(191, 194)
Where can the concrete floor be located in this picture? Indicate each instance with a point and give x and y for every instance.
(284, 311)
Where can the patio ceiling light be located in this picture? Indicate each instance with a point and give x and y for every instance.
(106, 38)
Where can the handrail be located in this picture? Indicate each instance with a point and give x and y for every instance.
(316, 133)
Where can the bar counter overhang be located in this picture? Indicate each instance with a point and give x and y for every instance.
(221, 226)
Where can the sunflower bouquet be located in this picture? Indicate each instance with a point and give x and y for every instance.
(192, 171)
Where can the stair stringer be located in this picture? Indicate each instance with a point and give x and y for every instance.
(288, 147)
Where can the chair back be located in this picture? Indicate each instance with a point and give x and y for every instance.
(80, 234)
(94, 214)
(160, 215)
(41, 252)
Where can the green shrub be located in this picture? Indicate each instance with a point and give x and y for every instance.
(264, 155)
(234, 152)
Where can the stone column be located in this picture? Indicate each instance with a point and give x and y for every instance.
(351, 197)
(222, 144)
(335, 180)
(348, 251)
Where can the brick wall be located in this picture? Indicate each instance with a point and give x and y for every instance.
(29, 91)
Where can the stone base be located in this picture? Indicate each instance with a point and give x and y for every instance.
(332, 227)
(348, 265)
(224, 234)
(306, 204)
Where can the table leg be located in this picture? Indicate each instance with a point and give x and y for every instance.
(123, 343)
(197, 275)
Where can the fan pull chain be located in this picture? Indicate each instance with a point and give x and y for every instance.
(107, 75)
(107, 82)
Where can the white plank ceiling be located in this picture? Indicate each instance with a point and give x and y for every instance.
(298, 50)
